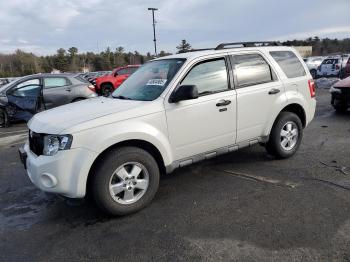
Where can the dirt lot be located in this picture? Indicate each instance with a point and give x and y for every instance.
(244, 206)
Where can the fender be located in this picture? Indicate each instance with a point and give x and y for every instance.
(106, 136)
(101, 138)
(280, 105)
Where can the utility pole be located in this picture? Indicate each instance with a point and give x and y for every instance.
(154, 29)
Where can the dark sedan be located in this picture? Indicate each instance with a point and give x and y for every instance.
(341, 95)
(22, 98)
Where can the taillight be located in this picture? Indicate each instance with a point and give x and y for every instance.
(312, 88)
(337, 67)
(92, 88)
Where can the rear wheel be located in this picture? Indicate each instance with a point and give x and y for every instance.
(106, 89)
(125, 181)
(285, 136)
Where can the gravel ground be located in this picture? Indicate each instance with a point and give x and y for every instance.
(244, 206)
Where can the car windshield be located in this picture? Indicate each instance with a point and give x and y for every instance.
(149, 81)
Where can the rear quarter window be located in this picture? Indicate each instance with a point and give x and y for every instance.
(252, 69)
(289, 63)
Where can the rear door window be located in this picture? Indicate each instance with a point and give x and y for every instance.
(289, 63)
(51, 82)
(252, 69)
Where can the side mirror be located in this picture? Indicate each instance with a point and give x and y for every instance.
(184, 92)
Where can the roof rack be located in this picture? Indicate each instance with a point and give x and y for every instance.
(200, 49)
(248, 44)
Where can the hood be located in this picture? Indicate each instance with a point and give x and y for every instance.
(102, 110)
(104, 78)
(345, 83)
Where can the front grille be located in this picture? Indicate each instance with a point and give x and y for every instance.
(36, 143)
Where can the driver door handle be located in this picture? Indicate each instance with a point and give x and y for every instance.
(274, 91)
(223, 102)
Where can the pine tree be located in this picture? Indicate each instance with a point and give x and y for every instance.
(183, 46)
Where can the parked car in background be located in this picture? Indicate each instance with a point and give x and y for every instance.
(172, 112)
(345, 58)
(313, 63)
(22, 98)
(340, 92)
(92, 80)
(90, 76)
(4, 81)
(346, 72)
(329, 67)
(105, 85)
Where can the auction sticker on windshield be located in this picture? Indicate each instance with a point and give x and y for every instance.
(156, 82)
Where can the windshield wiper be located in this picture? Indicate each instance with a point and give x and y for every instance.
(123, 97)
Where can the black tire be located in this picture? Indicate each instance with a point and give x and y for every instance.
(102, 175)
(3, 118)
(106, 90)
(313, 73)
(340, 109)
(274, 145)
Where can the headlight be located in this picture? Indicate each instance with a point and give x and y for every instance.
(54, 143)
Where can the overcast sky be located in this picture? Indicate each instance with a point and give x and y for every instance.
(43, 26)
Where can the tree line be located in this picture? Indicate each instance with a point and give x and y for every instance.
(23, 63)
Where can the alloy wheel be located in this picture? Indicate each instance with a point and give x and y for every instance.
(289, 136)
(129, 183)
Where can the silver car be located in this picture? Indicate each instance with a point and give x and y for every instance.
(22, 98)
(313, 62)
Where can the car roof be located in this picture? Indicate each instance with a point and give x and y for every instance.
(196, 54)
(51, 75)
(128, 66)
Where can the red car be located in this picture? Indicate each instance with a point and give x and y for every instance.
(105, 85)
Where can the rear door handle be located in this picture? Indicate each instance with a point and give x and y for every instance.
(68, 89)
(223, 102)
(274, 91)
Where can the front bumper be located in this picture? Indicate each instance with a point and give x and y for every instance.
(64, 173)
(340, 99)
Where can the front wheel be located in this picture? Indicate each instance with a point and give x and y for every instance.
(125, 181)
(106, 90)
(340, 108)
(285, 136)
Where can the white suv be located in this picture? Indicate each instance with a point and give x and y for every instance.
(330, 67)
(172, 112)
